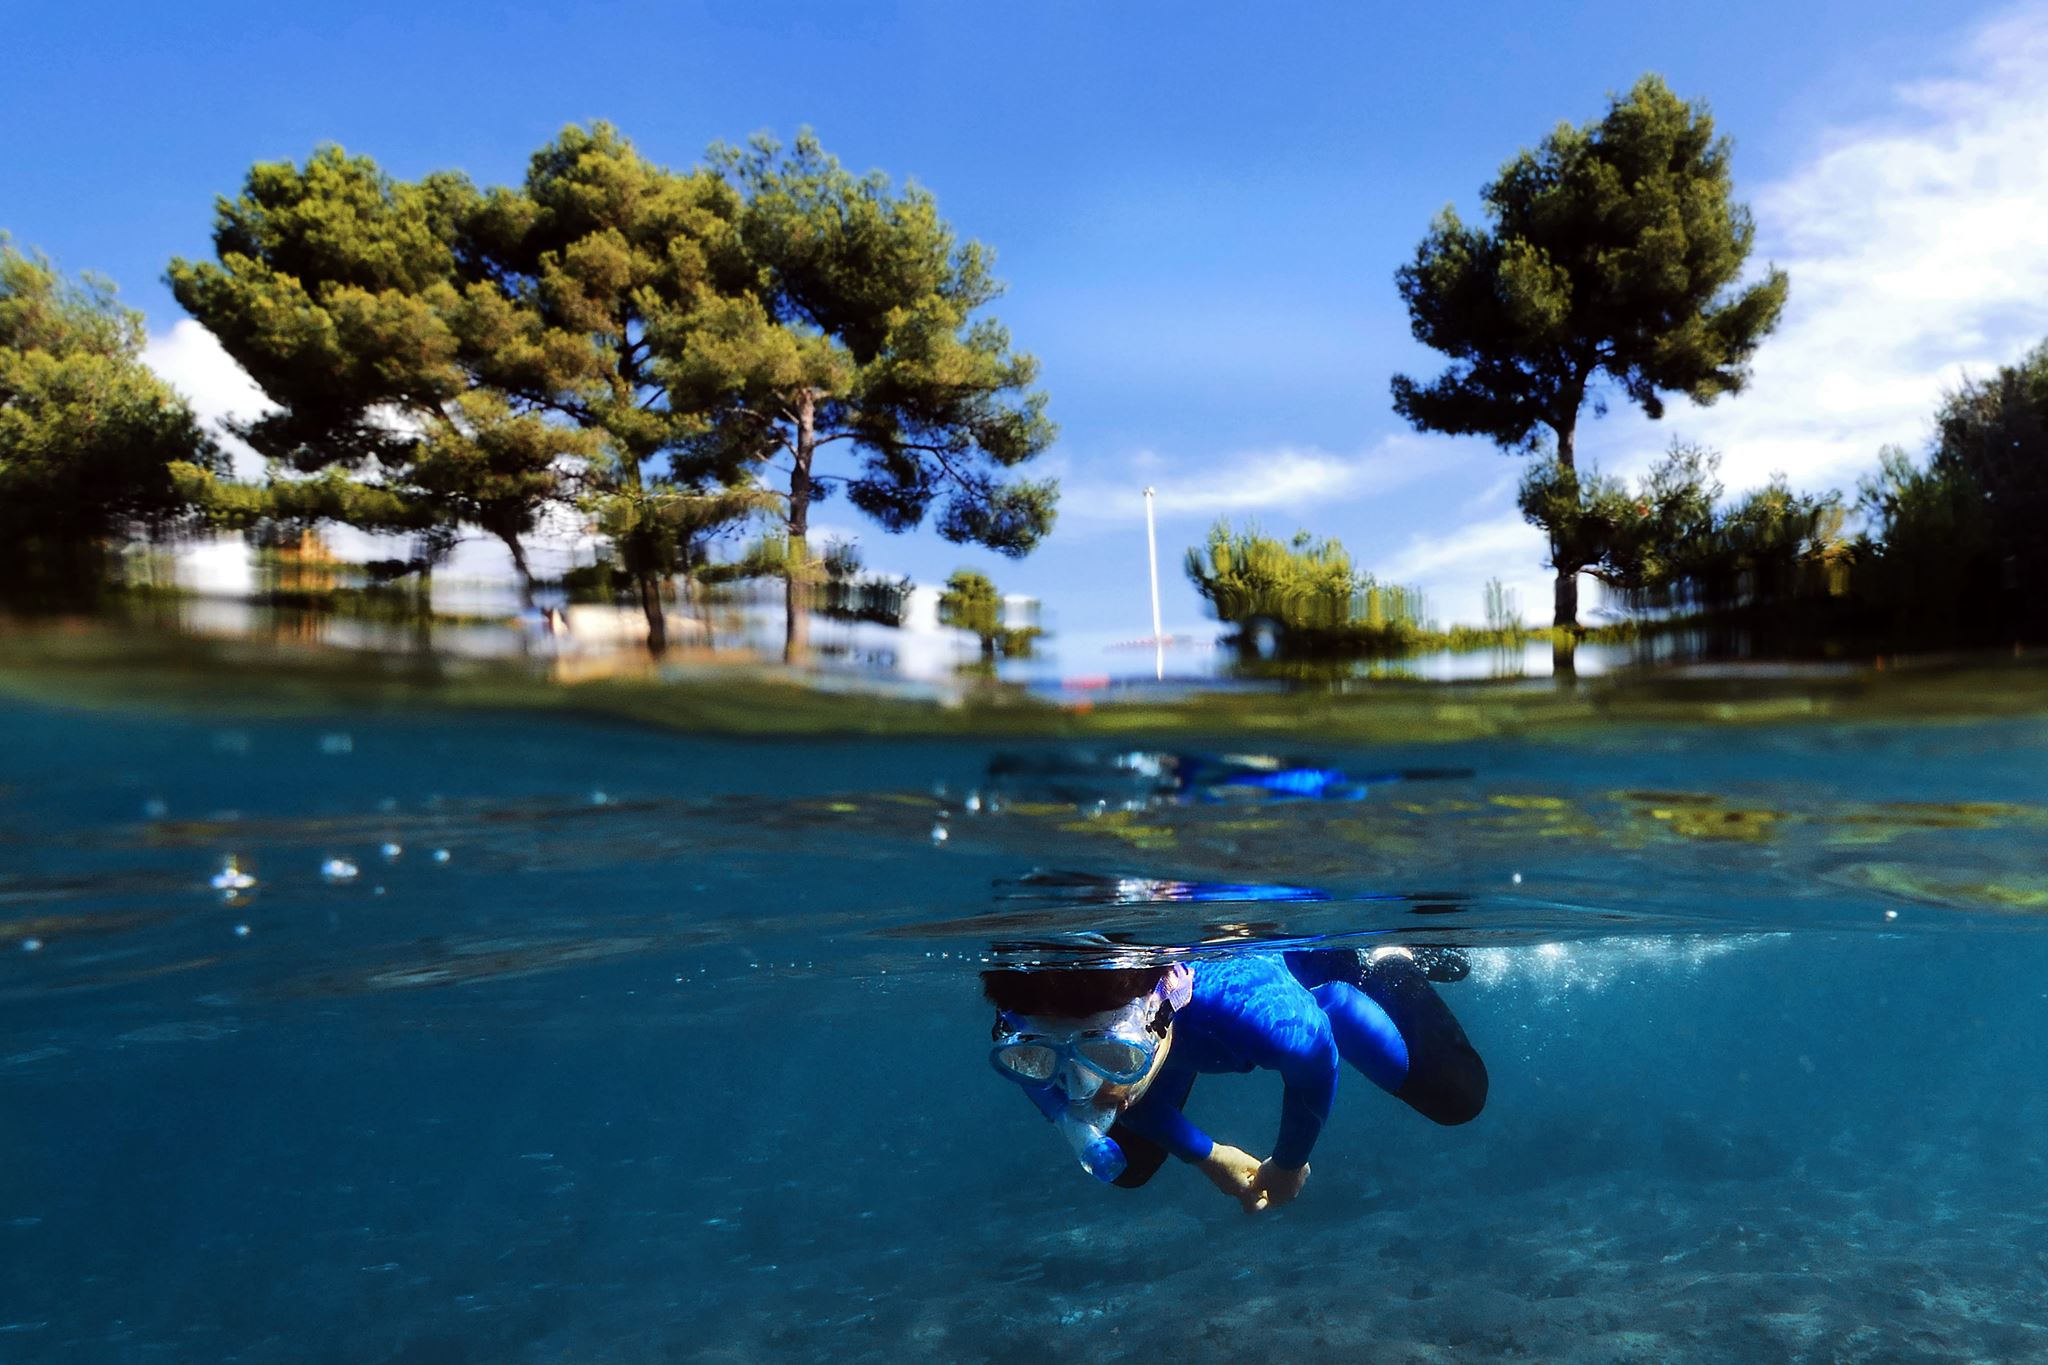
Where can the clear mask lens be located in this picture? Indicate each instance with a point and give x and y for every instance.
(1117, 1059)
(1029, 1061)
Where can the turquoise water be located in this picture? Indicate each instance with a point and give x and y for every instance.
(595, 1042)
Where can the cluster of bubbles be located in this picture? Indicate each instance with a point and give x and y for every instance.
(976, 802)
(1592, 965)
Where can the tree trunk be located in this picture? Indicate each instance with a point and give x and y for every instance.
(1565, 617)
(657, 620)
(511, 539)
(796, 640)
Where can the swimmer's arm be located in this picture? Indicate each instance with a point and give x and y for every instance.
(1304, 1108)
(1230, 1169)
(1158, 1118)
(1310, 1073)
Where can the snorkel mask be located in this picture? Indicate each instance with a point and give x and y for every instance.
(1063, 1065)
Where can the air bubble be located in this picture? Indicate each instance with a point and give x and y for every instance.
(231, 878)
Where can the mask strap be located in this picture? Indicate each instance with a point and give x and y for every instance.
(1178, 986)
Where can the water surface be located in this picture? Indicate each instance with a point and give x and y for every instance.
(538, 1037)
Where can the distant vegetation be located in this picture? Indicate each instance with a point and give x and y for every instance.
(971, 603)
(1301, 598)
(665, 356)
(1946, 551)
(93, 446)
(659, 352)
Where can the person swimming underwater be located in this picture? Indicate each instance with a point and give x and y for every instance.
(1110, 1054)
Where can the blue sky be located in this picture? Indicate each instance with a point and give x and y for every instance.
(1198, 210)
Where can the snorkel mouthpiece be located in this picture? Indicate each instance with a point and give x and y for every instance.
(1087, 1132)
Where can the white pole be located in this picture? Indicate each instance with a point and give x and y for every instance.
(1158, 635)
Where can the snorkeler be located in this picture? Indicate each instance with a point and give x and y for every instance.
(1110, 1054)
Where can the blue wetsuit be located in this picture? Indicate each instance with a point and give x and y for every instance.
(1260, 1011)
(1251, 1012)
(1301, 1014)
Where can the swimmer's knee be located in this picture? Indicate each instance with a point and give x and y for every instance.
(1451, 1091)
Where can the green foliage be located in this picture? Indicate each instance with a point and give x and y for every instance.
(1630, 540)
(482, 354)
(630, 336)
(1611, 252)
(971, 603)
(1994, 433)
(1304, 594)
(343, 293)
(1666, 543)
(857, 326)
(1777, 544)
(1610, 259)
(91, 441)
(1930, 559)
(1305, 584)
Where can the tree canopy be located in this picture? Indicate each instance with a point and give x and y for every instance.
(1608, 263)
(1994, 434)
(1298, 598)
(354, 302)
(481, 355)
(92, 443)
(858, 326)
(639, 340)
(972, 603)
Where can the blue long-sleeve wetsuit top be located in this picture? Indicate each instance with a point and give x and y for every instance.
(1247, 1012)
(1260, 1010)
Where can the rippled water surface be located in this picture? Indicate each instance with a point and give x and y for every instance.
(433, 1035)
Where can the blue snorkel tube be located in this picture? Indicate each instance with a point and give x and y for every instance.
(1089, 1137)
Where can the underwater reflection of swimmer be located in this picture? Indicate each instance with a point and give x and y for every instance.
(1110, 1054)
(1190, 777)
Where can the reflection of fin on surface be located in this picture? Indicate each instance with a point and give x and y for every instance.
(1206, 778)
(1314, 783)
(1085, 777)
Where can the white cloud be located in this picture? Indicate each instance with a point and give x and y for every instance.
(1452, 569)
(190, 360)
(1286, 478)
(1917, 247)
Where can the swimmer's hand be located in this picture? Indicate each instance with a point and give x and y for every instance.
(1233, 1171)
(1278, 1184)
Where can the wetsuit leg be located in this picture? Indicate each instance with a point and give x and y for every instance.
(1142, 1156)
(1367, 1037)
(1446, 1078)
